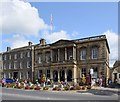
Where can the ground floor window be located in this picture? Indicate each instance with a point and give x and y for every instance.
(69, 75)
(40, 73)
(83, 71)
(4, 74)
(10, 75)
(48, 73)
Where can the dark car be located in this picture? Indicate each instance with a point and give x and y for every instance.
(9, 80)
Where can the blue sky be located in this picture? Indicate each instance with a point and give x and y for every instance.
(30, 21)
(86, 18)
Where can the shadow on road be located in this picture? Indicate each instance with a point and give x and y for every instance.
(99, 92)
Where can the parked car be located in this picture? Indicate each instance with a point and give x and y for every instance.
(9, 80)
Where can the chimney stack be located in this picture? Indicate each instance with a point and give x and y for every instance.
(29, 43)
(8, 48)
(42, 42)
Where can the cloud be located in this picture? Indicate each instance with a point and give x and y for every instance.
(113, 44)
(18, 41)
(55, 36)
(19, 17)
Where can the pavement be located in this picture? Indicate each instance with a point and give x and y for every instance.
(20, 94)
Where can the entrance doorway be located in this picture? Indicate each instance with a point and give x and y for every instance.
(69, 75)
(15, 75)
(55, 76)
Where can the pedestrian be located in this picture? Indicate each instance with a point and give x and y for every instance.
(3, 82)
(101, 82)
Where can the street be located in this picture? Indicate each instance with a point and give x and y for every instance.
(20, 94)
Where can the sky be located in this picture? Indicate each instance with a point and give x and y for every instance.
(30, 21)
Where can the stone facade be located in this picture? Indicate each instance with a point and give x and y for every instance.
(17, 63)
(67, 60)
(64, 60)
(1, 65)
(115, 73)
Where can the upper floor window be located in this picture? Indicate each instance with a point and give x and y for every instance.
(5, 57)
(28, 54)
(0, 58)
(10, 57)
(15, 65)
(83, 54)
(40, 59)
(28, 64)
(10, 65)
(15, 56)
(47, 58)
(94, 53)
(20, 65)
(5, 66)
(21, 55)
(0, 66)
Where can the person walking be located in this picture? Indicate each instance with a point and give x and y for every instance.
(101, 82)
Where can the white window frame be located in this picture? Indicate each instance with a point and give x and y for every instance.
(5, 57)
(83, 53)
(94, 53)
(28, 64)
(40, 72)
(4, 67)
(10, 75)
(4, 75)
(10, 57)
(15, 65)
(21, 75)
(27, 75)
(28, 54)
(40, 59)
(15, 56)
(20, 65)
(21, 55)
(83, 71)
(10, 65)
(48, 73)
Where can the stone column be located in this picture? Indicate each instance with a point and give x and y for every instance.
(51, 75)
(65, 54)
(51, 55)
(58, 55)
(65, 75)
(73, 52)
(74, 74)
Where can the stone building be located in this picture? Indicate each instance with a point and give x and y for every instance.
(116, 72)
(67, 60)
(1, 65)
(63, 60)
(17, 63)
